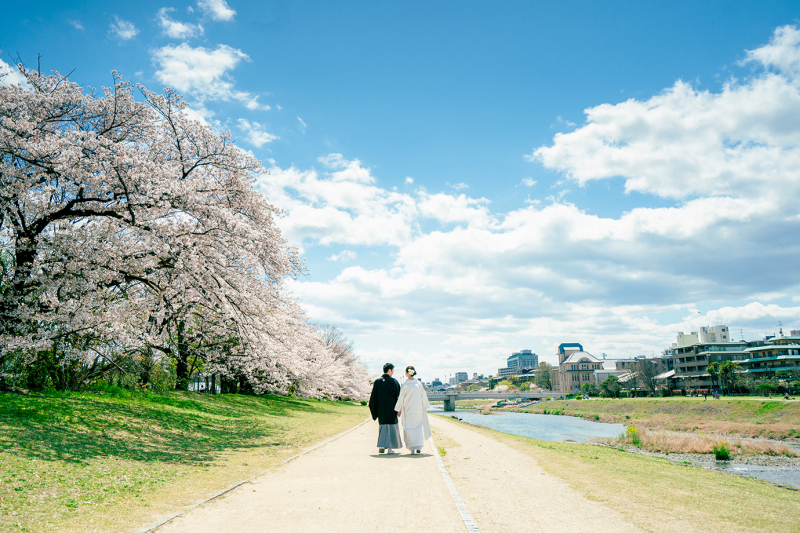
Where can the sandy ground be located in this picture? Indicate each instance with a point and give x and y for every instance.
(347, 486)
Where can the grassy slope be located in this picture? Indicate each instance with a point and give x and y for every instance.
(86, 461)
(659, 495)
(768, 418)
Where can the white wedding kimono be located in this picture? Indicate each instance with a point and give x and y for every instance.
(413, 404)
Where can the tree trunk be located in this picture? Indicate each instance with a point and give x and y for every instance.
(182, 366)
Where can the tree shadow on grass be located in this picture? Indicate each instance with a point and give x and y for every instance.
(179, 428)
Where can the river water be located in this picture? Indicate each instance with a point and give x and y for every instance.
(573, 429)
(542, 427)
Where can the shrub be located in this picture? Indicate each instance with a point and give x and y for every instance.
(633, 434)
(722, 451)
(597, 417)
(363, 402)
(766, 388)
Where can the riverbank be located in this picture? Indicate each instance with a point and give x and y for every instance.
(652, 493)
(116, 462)
(744, 417)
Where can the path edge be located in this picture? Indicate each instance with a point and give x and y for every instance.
(163, 521)
(469, 523)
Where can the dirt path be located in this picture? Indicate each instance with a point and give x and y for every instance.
(343, 486)
(507, 491)
(346, 486)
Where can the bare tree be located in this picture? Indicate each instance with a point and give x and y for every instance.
(646, 371)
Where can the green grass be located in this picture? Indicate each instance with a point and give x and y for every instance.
(744, 416)
(662, 496)
(119, 462)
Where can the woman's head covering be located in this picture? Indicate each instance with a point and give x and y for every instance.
(411, 371)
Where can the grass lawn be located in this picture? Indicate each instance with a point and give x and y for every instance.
(660, 495)
(744, 416)
(99, 462)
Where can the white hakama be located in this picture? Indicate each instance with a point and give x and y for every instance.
(413, 404)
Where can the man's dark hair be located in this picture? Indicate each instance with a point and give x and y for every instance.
(387, 367)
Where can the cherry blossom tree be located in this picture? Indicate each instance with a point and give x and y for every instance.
(128, 229)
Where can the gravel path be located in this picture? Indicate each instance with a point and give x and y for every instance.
(346, 486)
(507, 491)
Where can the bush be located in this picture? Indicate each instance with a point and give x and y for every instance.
(722, 451)
(363, 402)
(766, 388)
(633, 434)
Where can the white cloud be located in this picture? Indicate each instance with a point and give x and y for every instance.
(254, 105)
(175, 29)
(344, 255)
(75, 24)
(781, 52)
(216, 9)
(536, 275)
(458, 186)
(743, 141)
(409, 181)
(10, 75)
(302, 124)
(528, 182)
(123, 29)
(255, 133)
(200, 71)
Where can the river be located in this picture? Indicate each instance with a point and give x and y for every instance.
(573, 429)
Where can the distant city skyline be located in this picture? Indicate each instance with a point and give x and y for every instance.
(467, 179)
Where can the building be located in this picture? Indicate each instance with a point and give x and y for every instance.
(523, 359)
(777, 353)
(686, 339)
(519, 363)
(714, 334)
(575, 367)
(705, 335)
(461, 376)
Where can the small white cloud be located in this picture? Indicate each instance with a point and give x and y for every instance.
(123, 29)
(75, 24)
(302, 124)
(345, 255)
(200, 71)
(409, 181)
(529, 182)
(528, 200)
(458, 186)
(254, 105)
(216, 9)
(175, 29)
(255, 133)
(278, 107)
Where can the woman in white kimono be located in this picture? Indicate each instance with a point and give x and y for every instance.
(412, 407)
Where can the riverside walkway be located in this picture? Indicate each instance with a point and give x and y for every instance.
(346, 486)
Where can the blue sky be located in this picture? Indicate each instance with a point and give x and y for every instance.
(470, 178)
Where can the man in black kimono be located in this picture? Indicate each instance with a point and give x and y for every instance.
(382, 401)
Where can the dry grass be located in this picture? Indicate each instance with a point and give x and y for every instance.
(745, 417)
(678, 442)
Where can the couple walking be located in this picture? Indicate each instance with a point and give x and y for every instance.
(389, 400)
